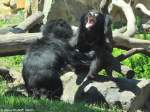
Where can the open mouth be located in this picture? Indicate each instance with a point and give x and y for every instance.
(90, 22)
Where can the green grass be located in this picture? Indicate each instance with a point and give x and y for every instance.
(44, 105)
(14, 62)
(24, 104)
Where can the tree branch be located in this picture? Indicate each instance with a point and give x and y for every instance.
(132, 52)
(143, 9)
(24, 26)
(31, 21)
(131, 27)
(131, 42)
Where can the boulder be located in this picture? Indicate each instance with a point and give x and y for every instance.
(128, 94)
(71, 10)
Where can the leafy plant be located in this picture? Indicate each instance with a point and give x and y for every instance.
(138, 62)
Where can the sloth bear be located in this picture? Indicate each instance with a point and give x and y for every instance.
(45, 59)
(94, 36)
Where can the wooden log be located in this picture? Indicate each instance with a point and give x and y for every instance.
(31, 21)
(24, 26)
(131, 42)
(14, 44)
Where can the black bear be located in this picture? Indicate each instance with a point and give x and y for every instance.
(45, 59)
(93, 30)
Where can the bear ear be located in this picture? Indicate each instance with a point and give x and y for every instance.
(82, 21)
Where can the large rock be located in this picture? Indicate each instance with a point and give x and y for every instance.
(128, 94)
(71, 10)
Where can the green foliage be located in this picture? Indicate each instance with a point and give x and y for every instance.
(12, 61)
(143, 36)
(12, 21)
(138, 62)
(141, 65)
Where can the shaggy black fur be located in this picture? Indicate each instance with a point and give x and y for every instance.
(93, 30)
(45, 58)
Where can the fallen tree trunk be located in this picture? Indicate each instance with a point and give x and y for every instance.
(128, 94)
(29, 22)
(16, 43)
(13, 44)
(131, 42)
